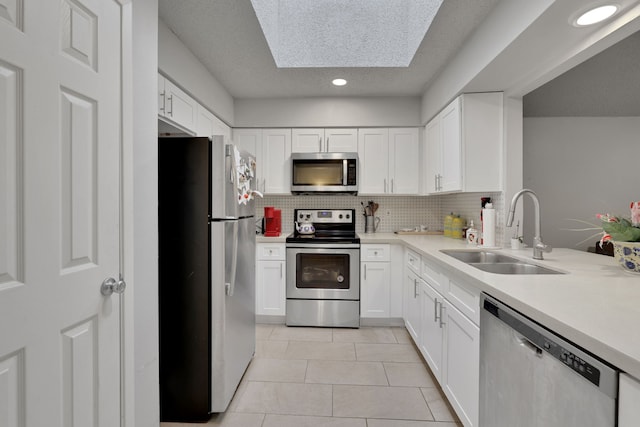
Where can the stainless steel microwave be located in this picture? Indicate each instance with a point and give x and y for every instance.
(324, 173)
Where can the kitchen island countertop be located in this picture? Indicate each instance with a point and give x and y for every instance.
(596, 304)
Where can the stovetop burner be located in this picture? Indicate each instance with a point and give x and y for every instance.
(331, 225)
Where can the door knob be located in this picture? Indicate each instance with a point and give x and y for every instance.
(111, 285)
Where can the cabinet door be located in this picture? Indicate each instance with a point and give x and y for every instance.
(461, 367)
(451, 148)
(628, 408)
(251, 141)
(375, 289)
(270, 288)
(307, 140)
(432, 329)
(204, 121)
(179, 107)
(221, 128)
(433, 160)
(341, 140)
(373, 152)
(412, 306)
(276, 161)
(404, 161)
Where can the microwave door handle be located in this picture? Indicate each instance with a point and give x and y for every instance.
(345, 172)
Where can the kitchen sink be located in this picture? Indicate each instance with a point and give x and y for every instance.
(514, 268)
(473, 257)
(496, 263)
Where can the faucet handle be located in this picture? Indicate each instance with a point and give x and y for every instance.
(539, 248)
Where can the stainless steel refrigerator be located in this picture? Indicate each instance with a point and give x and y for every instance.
(207, 274)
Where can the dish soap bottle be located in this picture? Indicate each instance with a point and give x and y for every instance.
(472, 234)
(448, 222)
(456, 227)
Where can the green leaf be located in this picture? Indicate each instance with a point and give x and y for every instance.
(622, 231)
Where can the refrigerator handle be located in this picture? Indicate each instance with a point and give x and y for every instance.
(231, 284)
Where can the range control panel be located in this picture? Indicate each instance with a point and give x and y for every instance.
(344, 216)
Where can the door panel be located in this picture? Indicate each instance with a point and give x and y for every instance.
(60, 137)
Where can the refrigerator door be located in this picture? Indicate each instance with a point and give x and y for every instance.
(233, 181)
(184, 278)
(232, 306)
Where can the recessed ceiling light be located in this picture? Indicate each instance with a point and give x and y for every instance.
(595, 15)
(339, 82)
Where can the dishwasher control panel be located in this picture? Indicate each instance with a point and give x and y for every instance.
(572, 360)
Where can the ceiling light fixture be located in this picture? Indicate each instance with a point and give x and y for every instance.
(339, 82)
(595, 15)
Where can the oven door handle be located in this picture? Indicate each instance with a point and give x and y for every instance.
(324, 245)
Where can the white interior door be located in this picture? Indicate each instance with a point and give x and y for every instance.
(60, 136)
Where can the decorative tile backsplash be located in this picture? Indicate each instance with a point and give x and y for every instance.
(395, 212)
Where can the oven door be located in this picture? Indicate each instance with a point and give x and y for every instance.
(315, 271)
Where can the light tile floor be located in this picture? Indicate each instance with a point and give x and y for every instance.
(323, 377)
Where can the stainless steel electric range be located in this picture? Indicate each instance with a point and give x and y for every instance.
(323, 270)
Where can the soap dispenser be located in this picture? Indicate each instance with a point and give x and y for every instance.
(472, 234)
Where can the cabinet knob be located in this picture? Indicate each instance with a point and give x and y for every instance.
(375, 253)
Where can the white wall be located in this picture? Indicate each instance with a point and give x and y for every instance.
(145, 212)
(505, 23)
(580, 166)
(177, 62)
(328, 112)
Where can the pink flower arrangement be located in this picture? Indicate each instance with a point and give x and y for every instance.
(621, 229)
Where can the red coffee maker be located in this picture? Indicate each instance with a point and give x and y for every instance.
(272, 221)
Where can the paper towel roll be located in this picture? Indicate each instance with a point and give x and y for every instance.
(489, 226)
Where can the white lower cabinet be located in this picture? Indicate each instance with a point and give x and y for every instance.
(412, 306)
(461, 364)
(270, 279)
(628, 408)
(375, 281)
(446, 331)
(431, 342)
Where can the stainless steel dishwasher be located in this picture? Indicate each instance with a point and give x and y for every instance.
(530, 376)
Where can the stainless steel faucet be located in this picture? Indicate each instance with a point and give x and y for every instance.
(538, 246)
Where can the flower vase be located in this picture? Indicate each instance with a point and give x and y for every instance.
(628, 255)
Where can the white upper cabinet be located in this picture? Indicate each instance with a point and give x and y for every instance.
(389, 161)
(208, 124)
(324, 140)
(272, 148)
(373, 149)
(175, 106)
(464, 145)
(276, 151)
(404, 160)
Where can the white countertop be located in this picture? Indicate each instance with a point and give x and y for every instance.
(263, 239)
(596, 304)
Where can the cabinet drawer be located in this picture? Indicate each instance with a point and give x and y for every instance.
(436, 279)
(270, 251)
(466, 299)
(375, 253)
(413, 261)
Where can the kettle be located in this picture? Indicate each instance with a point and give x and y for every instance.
(305, 228)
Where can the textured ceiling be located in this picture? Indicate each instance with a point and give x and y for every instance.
(227, 38)
(339, 33)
